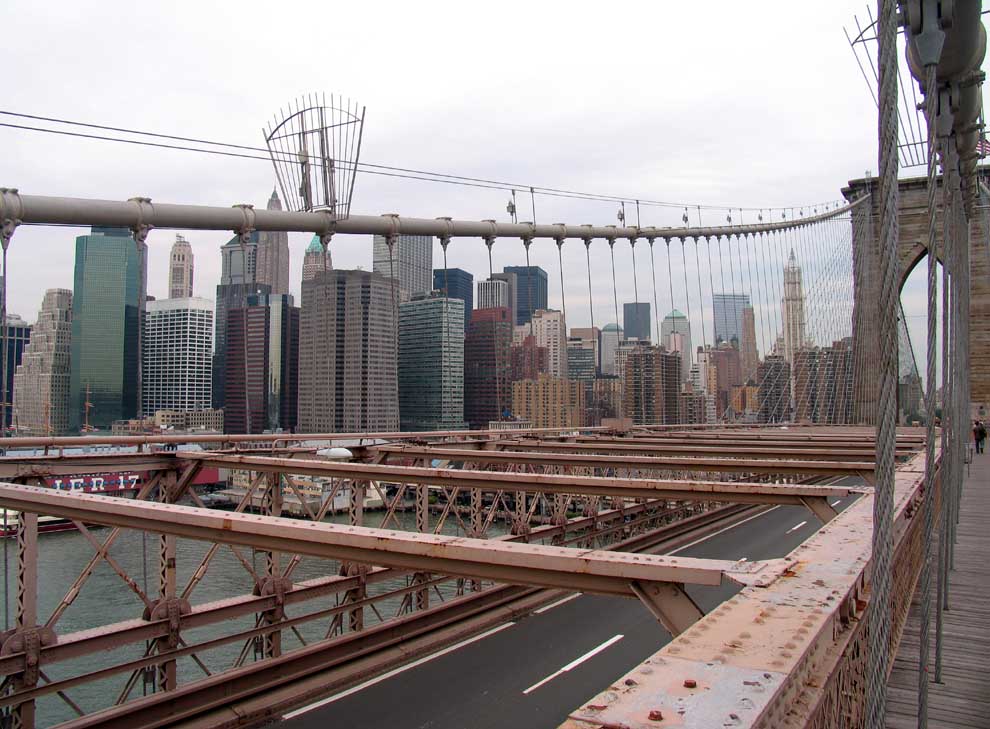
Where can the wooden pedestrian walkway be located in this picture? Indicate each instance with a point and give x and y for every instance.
(963, 697)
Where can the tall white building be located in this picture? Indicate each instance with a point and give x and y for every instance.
(550, 331)
(675, 336)
(411, 263)
(180, 269)
(792, 309)
(41, 381)
(611, 338)
(177, 355)
(492, 294)
(314, 261)
(272, 263)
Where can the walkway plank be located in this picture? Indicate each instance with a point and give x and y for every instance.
(962, 700)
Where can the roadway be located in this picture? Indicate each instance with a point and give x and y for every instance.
(530, 673)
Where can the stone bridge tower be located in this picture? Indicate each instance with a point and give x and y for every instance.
(912, 232)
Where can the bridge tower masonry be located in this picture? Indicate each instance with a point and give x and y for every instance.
(912, 232)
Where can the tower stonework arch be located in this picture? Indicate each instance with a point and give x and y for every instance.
(912, 233)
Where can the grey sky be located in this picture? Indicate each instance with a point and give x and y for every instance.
(723, 103)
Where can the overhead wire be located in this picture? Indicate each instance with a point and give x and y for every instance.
(244, 151)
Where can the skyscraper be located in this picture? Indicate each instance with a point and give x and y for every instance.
(108, 290)
(18, 336)
(549, 402)
(591, 337)
(652, 386)
(273, 255)
(531, 291)
(611, 338)
(457, 284)
(177, 355)
(749, 357)
(410, 264)
(41, 382)
(431, 363)
(348, 354)
(675, 336)
(262, 365)
(550, 331)
(727, 311)
(487, 391)
(582, 363)
(230, 296)
(313, 259)
(239, 262)
(792, 309)
(636, 321)
(724, 373)
(773, 377)
(512, 292)
(180, 269)
(493, 294)
(527, 359)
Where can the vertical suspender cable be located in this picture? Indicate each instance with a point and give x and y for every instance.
(615, 292)
(928, 503)
(701, 297)
(656, 303)
(883, 506)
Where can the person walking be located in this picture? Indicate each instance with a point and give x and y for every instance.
(981, 436)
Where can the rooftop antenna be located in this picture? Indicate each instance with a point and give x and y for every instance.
(315, 151)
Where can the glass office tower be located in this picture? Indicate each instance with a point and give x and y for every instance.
(108, 289)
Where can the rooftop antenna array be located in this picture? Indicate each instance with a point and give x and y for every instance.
(315, 148)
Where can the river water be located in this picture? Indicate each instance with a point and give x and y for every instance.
(105, 599)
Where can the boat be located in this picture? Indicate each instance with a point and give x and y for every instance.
(46, 523)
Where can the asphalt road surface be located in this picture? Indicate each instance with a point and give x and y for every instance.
(529, 674)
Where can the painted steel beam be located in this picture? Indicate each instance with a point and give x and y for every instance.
(764, 638)
(638, 488)
(68, 465)
(670, 605)
(595, 571)
(231, 438)
(727, 450)
(739, 465)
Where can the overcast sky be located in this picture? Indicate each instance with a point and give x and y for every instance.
(722, 103)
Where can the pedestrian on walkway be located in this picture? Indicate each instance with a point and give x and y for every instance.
(981, 436)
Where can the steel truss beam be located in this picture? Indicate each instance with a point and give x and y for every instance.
(594, 571)
(814, 497)
(791, 654)
(735, 465)
(725, 450)
(68, 465)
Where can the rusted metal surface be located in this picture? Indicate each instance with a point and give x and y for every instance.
(579, 505)
(733, 491)
(786, 654)
(788, 466)
(594, 571)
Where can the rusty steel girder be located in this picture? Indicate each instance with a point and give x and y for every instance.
(815, 497)
(593, 571)
(768, 656)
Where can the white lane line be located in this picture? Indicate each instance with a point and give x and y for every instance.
(552, 605)
(795, 527)
(720, 531)
(576, 662)
(395, 672)
(743, 559)
(836, 502)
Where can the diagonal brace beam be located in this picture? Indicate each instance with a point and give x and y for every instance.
(820, 507)
(669, 603)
